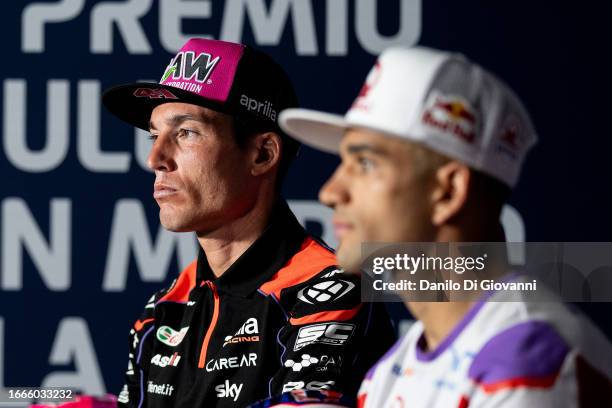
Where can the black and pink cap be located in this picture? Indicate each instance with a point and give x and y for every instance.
(226, 77)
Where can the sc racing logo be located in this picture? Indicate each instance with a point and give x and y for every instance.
(335, 334)
(326, 291)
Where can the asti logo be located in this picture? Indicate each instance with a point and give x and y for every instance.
(171, 337)
(186, 66)
(165, 361)
(245, 333)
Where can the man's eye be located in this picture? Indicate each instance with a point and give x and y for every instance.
(152, 137)
(365, 164)
(183, 132)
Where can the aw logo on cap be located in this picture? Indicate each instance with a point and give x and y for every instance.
(451, 114)
(185, 66)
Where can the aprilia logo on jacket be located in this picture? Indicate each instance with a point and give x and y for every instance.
(245, 333)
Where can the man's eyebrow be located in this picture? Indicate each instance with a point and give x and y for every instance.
(178, 119)
(364, 147)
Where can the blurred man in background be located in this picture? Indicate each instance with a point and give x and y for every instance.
(431, 149)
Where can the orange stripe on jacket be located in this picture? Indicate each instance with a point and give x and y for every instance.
(326, 316)
(141, 323)
(184, 283)
(310, 260)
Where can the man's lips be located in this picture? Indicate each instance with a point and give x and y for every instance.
(163, 190)
(341, 228)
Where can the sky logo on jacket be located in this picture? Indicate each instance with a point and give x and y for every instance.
(245, 333)
(228, 390)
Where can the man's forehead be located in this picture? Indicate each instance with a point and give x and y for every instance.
(365, 139)
(176, 112)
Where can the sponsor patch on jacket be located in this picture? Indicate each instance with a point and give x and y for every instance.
(319, 363)
(171, 337)
(223, 363)
(165, 361)
(311, 386)
(229, 390)
(335, 334)
(325, 292)
(248, 332)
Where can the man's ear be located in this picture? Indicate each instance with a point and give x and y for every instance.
(450, 192)
(266, 152)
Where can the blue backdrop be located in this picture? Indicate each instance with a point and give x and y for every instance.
(80, 245)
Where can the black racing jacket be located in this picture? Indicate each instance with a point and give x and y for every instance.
(283, 317)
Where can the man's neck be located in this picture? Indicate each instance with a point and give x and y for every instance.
(227, 243)
(438, 318)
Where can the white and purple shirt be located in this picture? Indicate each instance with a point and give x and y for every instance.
(506, 352)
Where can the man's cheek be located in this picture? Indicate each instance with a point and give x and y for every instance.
(374, 226)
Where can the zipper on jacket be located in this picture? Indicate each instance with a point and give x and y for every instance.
(212, 325)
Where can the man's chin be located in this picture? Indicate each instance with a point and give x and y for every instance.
(173, 225)
(174, 228)
(349, 258)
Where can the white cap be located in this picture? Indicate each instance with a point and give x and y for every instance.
(435, 98)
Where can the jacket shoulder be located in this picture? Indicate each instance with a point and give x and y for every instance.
(312, 287)
(528, 354)
(178, 291)
(312, 259)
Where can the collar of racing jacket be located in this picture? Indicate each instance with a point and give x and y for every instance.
(281, 239)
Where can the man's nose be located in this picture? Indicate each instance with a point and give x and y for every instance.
(334, 191)
(161, 156)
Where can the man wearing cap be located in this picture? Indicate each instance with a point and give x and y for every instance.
(430, 150)
(264, 309)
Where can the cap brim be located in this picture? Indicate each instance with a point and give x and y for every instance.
(320, 130)
(122, 101)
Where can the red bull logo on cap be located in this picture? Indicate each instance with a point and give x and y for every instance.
(510, 140)
(451, 114)
(370, 82)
